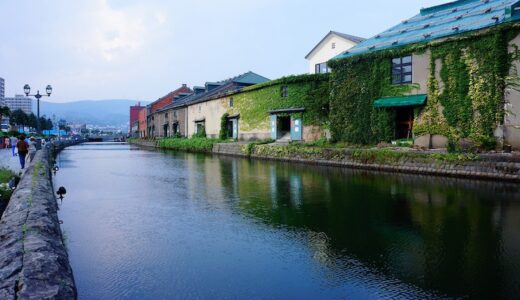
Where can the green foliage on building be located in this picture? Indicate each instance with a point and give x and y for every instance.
(467, 101)
(304, 91)
(355, 85)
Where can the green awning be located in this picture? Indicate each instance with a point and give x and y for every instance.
(412, 100)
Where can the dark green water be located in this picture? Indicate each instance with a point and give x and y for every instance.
(156, 225)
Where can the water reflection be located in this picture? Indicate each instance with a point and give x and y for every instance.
(275, 230)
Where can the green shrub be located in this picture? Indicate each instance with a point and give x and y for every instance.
(195, 144)
(223, 127)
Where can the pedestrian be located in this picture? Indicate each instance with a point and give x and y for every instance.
(23, 149)
(13, 141)
(32, 148)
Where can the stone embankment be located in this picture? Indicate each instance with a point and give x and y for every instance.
(504, 167)
(34, 263)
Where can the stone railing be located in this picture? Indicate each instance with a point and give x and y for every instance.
(34, 263)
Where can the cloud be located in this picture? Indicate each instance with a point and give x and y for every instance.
(103, 32)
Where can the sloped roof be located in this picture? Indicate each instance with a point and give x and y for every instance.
(226, 86)
(439, 22)
(349, 37)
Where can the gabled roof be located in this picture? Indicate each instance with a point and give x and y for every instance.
(352, 38)
(441, 21)
(225, 86)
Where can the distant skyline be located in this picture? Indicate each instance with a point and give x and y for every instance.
(142, 49)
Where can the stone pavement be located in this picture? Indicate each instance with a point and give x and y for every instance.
(9, 161)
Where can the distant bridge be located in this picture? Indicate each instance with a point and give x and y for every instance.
(107, 138)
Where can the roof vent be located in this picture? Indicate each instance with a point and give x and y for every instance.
(458, 17)
(427, 35)
(371, 47)
(426, 25)
(456, 28)
(455, 10)
(403, 31)
(496, 18)
(378, 36)
(404, 22)
(395, 43)
(488, 10)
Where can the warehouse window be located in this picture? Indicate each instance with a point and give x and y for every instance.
(402, 70)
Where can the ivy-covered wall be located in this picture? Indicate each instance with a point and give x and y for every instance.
(355, 85)
(304, 91)
(465, 103)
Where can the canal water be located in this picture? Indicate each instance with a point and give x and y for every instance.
(166, 225)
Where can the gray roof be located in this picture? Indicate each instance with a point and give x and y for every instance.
(225, 86)
(352, 38)
(441, 21)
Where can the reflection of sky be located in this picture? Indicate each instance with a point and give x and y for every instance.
(151, 224)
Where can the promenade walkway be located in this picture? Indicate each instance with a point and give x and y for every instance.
(7, 160)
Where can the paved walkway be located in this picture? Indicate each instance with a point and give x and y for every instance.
(7, 160)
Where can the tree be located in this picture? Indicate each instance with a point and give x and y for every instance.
(19, 117)
(4, 111)
(32, 121)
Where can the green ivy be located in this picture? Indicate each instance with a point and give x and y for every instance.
(305, 91)
(468, 104)
(355, 85)
(223, 134)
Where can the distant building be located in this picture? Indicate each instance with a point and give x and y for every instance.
(158, 126)
(134, 114)
(19, 102)
(142, 127)
(2, 89)
(333, 44)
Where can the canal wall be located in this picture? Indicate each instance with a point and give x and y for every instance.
(34, 263)
(491, 167)
(478, 167)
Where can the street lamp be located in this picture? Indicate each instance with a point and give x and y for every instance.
(27, 91)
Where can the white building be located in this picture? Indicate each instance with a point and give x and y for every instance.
(332, 45)
(19, 102)
(2, 89)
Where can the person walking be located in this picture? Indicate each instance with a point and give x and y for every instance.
(13, 140)
(32, 148)
(23, 149)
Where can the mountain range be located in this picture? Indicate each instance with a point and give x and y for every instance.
(113, 112)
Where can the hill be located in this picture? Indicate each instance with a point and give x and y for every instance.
(94, 112)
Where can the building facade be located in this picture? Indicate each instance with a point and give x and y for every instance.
(134, 116)
(205, 109)
(158, 125)
(439, 78)
(142, 123)
(2, 90)
(293, 108)
(333, 44)
(19, 102)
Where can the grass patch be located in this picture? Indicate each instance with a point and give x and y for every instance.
(5, 175)
(195, 144)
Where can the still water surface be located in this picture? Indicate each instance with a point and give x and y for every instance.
(164, 225)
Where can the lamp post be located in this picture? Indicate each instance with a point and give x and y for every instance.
(27, 90)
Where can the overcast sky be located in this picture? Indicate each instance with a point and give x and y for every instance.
(142, 49)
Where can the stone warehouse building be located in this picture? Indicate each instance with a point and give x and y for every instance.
(445, 78)
(156, 122)
(205, 110)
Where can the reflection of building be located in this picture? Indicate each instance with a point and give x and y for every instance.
(19, 102)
